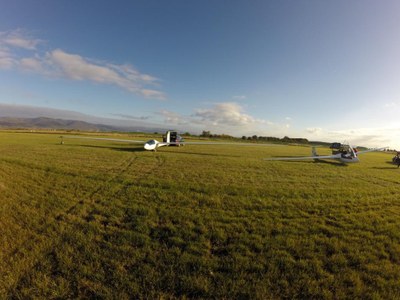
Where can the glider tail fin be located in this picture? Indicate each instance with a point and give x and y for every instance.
(314, 151)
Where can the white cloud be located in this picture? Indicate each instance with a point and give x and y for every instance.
(370, 137)
(60, 64)
(32, 64)
(75, 67)
(21, 43)
(6, 63)
(6, 59)
(227, 113)
(131, 117)
(152, 94)
(240, 97)
(391, 105)
(18, 39)
(224, 117)
(314, 130)
(174, 118)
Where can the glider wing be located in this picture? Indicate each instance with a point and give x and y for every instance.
(102, 139)
(336, 156)
(370, 150)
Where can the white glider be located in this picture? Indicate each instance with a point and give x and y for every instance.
(345, 154)
(153, 145)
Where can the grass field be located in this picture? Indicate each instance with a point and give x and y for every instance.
(97, 219)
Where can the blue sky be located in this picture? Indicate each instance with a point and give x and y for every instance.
(324, 70)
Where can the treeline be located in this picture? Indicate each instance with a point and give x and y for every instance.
(208, 134)
(286, 139)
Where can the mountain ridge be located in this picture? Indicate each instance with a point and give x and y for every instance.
(57, 123)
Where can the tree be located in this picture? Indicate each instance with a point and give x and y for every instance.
(205, 133)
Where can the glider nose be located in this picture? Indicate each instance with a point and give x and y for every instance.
(150, 145)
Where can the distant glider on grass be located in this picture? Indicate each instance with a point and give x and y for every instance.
(340, 152)
(171, 138)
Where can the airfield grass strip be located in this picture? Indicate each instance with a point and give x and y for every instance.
(110, 221)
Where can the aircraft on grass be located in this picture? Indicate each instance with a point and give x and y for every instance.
(171, 138)
(341, 152)
(396, 159)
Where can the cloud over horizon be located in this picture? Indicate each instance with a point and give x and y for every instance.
(314, 130)
(225, 113)
(61, 64)
(370, 137)
(220, 114)
(222, 117)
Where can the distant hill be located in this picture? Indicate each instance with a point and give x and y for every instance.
(51, 123)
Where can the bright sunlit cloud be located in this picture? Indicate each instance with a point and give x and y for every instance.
(228, 113)
(61, 64)
(370, 137)
(173, 118)
(314, 130)
(6, 60)
(18, 39)
(222, 117)
(391, 105)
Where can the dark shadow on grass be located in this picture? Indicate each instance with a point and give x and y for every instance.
(388, 162)
(334, 163)
(386, 168)
(203, 154)
(141, 149)
(314, 161)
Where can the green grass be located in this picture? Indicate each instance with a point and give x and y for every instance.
(97, 219)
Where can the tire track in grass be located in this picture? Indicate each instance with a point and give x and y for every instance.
(100, 205)
(36, 246)
(100, 188)
(34, 228)
(57, 227)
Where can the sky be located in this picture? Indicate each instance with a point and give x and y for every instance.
(322, 70)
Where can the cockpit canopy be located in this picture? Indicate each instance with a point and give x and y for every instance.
(343, 149)
(151, 142)
(336, 146)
